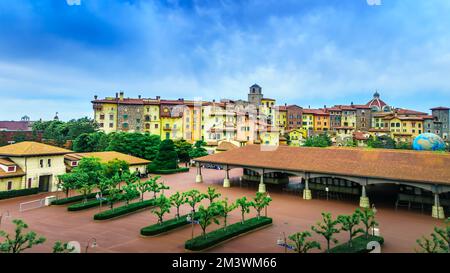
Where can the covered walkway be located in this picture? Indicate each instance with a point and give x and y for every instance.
(429, 171)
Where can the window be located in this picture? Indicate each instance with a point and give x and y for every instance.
(102, 116)
(9, 185)
(111, 117)
(138, 120)
(101, 125)
(41, 163)
(111, 125)
(11, 169)
(147, 118)
(156, 126)
(125, 125)
(147, 126)
(74, 163)
(49, 162)
(29, 182)
(125, 116)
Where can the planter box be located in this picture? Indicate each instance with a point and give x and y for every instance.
(359, 245)
(166, 226)
(220, 235)
(123, 210)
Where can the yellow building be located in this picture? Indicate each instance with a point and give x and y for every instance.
(297, 136)
(404, 129)
(136, 164)
(308, 121)
(31, 165)
(106, 116)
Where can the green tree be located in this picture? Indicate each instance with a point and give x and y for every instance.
(212, 195)
(178, 200)
(225, 210)
(60, 247)
(244, 205)
(439, 241)
(261, 201)
(163, 205)
(20, 241)
(143, 187)
(381, 142)
(193, 198)
(166, 159)
(92, 168)
(350, 224)
(116, 166)
(322, 140)
(327, 228)
(300, 243)
(367, 217)
(199, 149)
(183, 149)
(67, 182)
(135, 144)
(129, 192)
(208, 215)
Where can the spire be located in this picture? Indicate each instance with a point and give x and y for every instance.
(376, 95)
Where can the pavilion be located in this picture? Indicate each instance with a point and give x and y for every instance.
(426, 170)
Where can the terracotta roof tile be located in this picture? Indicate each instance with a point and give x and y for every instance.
(375, 163)
(30, 148)
(105, 157)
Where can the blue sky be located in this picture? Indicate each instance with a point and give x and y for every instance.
(54, 57)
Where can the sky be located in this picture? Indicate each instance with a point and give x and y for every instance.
(55, 55)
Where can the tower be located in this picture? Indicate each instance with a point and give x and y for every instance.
(255, 95)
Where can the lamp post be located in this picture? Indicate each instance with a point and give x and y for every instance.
(327, 190)
(92, 243)
(283, 242)
(374, 210)
(5, 214)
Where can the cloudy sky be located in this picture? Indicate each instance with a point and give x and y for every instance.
(55, 55)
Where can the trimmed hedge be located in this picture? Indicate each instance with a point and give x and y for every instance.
(179, 170)
(119, 211)
(73, 199)
(217, 236)
(165, 226)
(359, 245)
(86, 205)
(17, 193)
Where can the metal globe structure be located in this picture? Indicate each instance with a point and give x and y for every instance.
(428, 142)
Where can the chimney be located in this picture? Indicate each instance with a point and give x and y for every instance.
(95, 97)
(139, 96)
(117, 95)
(158, 97)
(121, 95)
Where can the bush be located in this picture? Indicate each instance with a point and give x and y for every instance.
(85, 205)
(359, 245)
(17, 193)
(74, 199)
(119, 211)
(179, 170)
(165, 226)
(220, 235)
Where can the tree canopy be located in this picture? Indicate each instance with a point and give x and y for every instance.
(322, 140)
(166, 158)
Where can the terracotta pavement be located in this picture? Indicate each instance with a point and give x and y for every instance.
(290, 213)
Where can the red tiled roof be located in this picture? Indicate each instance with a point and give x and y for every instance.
(401, 111)
(360, 136)
(318, 112)
(395, 165)
(15, 125)
(440, 108)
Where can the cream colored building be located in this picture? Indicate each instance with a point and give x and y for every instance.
(136, 164)
(31, 165)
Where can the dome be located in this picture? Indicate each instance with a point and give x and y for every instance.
(428, 142)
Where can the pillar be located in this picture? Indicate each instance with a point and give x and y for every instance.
(226, 181)
(364, 200)
(307, 192)
(438, 210)
(199, 178)
(262, 186)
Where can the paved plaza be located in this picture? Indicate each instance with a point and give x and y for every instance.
(289, 211)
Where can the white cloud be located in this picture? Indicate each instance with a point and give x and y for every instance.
(73, 2)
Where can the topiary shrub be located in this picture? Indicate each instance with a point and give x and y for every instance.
(17, 193)
(179, 170)
(217, 236)
(359, 245)
(74, 199)
(166, 226)
(119, 211)
(166, 159)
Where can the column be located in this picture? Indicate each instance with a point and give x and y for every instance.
(262, 186)
(438, 210)
(364, 200)
(226, 181)
(307, 192)
(199, 178)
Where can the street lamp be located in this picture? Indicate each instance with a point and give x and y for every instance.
(92, 243)
(327, 190)
(6, 214)
(283, 242)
